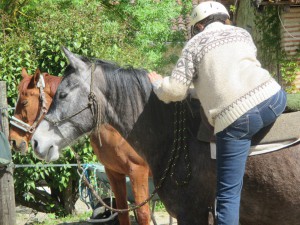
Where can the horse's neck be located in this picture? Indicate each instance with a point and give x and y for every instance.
(124, 103)
(124, 119)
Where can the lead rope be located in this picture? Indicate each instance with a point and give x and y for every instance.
(93, 101)
(179, 140)
(87, 183)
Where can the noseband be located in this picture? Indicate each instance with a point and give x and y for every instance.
(25, 126)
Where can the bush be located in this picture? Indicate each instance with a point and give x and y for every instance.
(293, 102)
(33, 33)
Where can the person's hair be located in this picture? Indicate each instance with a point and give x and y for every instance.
(220, 17)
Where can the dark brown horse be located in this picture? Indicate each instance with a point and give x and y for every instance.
(124, 98)
(117, 156)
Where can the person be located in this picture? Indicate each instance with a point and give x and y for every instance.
(237, 95)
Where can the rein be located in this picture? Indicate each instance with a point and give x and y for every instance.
(25, 126)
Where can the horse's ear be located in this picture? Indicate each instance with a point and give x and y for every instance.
(24, 73)
(74, 60)
(36, 76)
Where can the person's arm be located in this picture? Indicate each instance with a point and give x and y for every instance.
(174, 87)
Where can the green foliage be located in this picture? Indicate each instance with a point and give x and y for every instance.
(293, 102)
(271, 53)
(268, 26)
(15, 53)
(31, 36)
(232, 9)
(289, 67)
(60, 180)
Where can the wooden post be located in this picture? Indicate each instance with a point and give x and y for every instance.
(7, 190)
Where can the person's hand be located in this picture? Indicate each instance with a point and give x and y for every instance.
(153, 76)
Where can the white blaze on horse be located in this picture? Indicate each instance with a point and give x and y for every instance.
(93, 93)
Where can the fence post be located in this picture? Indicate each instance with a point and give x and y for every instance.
(7, 191)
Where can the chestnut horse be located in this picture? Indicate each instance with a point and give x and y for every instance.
(117, 156)
(123, 97)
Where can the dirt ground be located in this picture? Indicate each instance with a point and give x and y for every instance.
(27, 216)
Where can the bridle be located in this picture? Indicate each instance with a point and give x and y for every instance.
(92, 104)
(91, 101)
(25, 126)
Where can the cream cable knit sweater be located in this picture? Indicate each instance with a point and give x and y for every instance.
(221, 64)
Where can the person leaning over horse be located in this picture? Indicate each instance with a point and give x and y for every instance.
(238, 96)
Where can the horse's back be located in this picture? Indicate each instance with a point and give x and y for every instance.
(271, 193)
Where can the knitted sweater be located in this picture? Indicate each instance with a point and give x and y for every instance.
(228, 79)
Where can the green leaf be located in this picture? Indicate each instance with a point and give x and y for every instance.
(43, 42)
(77, 45)
(62, 63)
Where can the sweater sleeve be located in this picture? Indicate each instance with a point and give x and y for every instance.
(175, 87)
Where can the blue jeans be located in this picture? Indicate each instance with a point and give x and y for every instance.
(233, 145)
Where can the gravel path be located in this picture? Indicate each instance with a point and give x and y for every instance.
(27, 216)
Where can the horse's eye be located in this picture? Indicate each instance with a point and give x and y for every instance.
(62, 95)
(24, 103)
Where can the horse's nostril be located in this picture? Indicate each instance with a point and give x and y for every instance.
(35, 144)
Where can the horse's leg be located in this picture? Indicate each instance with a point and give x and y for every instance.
(118, 186)
(139, 181)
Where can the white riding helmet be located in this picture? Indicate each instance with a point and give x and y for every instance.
(205, 9)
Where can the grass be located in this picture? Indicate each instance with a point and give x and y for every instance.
(51, 219)
(159, 207)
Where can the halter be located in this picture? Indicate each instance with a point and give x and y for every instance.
(25, 126)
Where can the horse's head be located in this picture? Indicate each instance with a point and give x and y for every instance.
(72, 112)
(35, 96)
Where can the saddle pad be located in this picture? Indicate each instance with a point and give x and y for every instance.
(258, 149)
(285, 128)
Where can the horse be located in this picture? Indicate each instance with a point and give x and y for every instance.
(184, 177)
(117, 156)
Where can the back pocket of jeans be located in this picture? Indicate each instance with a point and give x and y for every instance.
(279, 103)
(239, 128)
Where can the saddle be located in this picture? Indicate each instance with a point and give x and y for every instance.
(285, 131)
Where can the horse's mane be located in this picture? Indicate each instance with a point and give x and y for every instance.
(128, 79)
(121, 81)
(127, 88)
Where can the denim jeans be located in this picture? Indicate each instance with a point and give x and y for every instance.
(233, 145)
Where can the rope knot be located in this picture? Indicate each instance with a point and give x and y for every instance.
(92, 98)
